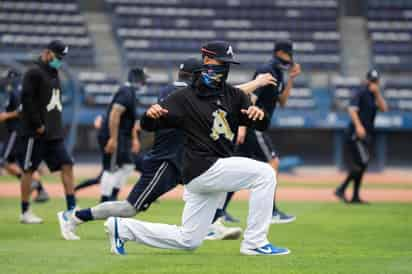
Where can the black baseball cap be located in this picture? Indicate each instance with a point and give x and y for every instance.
(219, 50)
(137, 75)
(284, 45)
(190, 65)
(59, 48)
(373, 75)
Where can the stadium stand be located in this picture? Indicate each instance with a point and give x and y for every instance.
(27, 26)
(390, 31)
(165, 32)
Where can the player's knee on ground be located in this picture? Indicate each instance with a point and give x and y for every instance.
(192, 244)
(128, 210)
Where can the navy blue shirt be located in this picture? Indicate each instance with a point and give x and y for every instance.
(268, 96)
(126, 97)
(364, 101)
(10, 104)
(168, 143)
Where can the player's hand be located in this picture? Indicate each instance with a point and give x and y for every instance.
(41, 130)
(98, 122)
(3, 117)
(295, 71)
(254, 113)
(241, 135)
(156, 111)
(135, 146)
(360, 132)
(111, 146)
(266, 79)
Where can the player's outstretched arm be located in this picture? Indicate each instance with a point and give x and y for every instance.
(4, 116)
(154, 118)
(260, 81)
(380, 101)
(114, 123)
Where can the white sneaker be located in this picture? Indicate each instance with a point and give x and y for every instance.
(29, 218)
(111, 226)
(67, 225)
(217, 231)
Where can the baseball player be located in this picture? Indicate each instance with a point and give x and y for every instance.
(42, 127)
(161, 167)
(208, 112)
(256, 144)
(362, 111)
(9, 114)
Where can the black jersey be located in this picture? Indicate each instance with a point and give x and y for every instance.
(209, 120)
(268, 96)
(41, 101)
(168, 143)
(126, 97)
(365, 103)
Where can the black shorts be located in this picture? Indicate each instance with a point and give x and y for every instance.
(9, 151)
(357, 154)
(32, 151)
(158, 177)
(257, 146)
(122, 156)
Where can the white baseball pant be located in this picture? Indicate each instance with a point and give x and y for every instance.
(202, 196)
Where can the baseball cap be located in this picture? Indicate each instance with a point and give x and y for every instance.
(58, 48)
(137, 75)
(219, 50)
(284, 45)
(190, 65)
(372, 75)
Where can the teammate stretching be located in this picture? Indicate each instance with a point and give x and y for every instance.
(255, 143)
(161, 168)
(42, 127)
(208, 113)
(362, 111)
(9, 114)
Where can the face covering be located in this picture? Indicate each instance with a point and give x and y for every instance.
(214, 76)
(283, 64)
(55, 63)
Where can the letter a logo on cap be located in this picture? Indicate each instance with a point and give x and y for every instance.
(229, 51)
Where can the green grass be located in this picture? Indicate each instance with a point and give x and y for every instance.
(326, 238)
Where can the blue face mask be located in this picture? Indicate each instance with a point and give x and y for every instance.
(55, 63)
(214, 76)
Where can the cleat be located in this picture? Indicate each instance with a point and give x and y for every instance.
(278, 217)
(116, 244)
(268, 250)
(30, 218)
(340, 195)
(42, 197)
(218, 231)
(67, 225)
(358, 201)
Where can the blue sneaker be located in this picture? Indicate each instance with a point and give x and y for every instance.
(116, 244)
(268, 249)
(278, 217)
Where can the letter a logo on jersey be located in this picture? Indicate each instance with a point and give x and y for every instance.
(221, 126)
(55, 101)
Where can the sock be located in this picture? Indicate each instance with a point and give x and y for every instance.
(219, 213)
(357, 185)
(104, 198)
(228, 199)
(24, 206)
(275, 209)
(85, 214)
(70, 201)
(115, 193)
(37, 186)
(88, 183)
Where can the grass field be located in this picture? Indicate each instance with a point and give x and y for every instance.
(326, 238)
